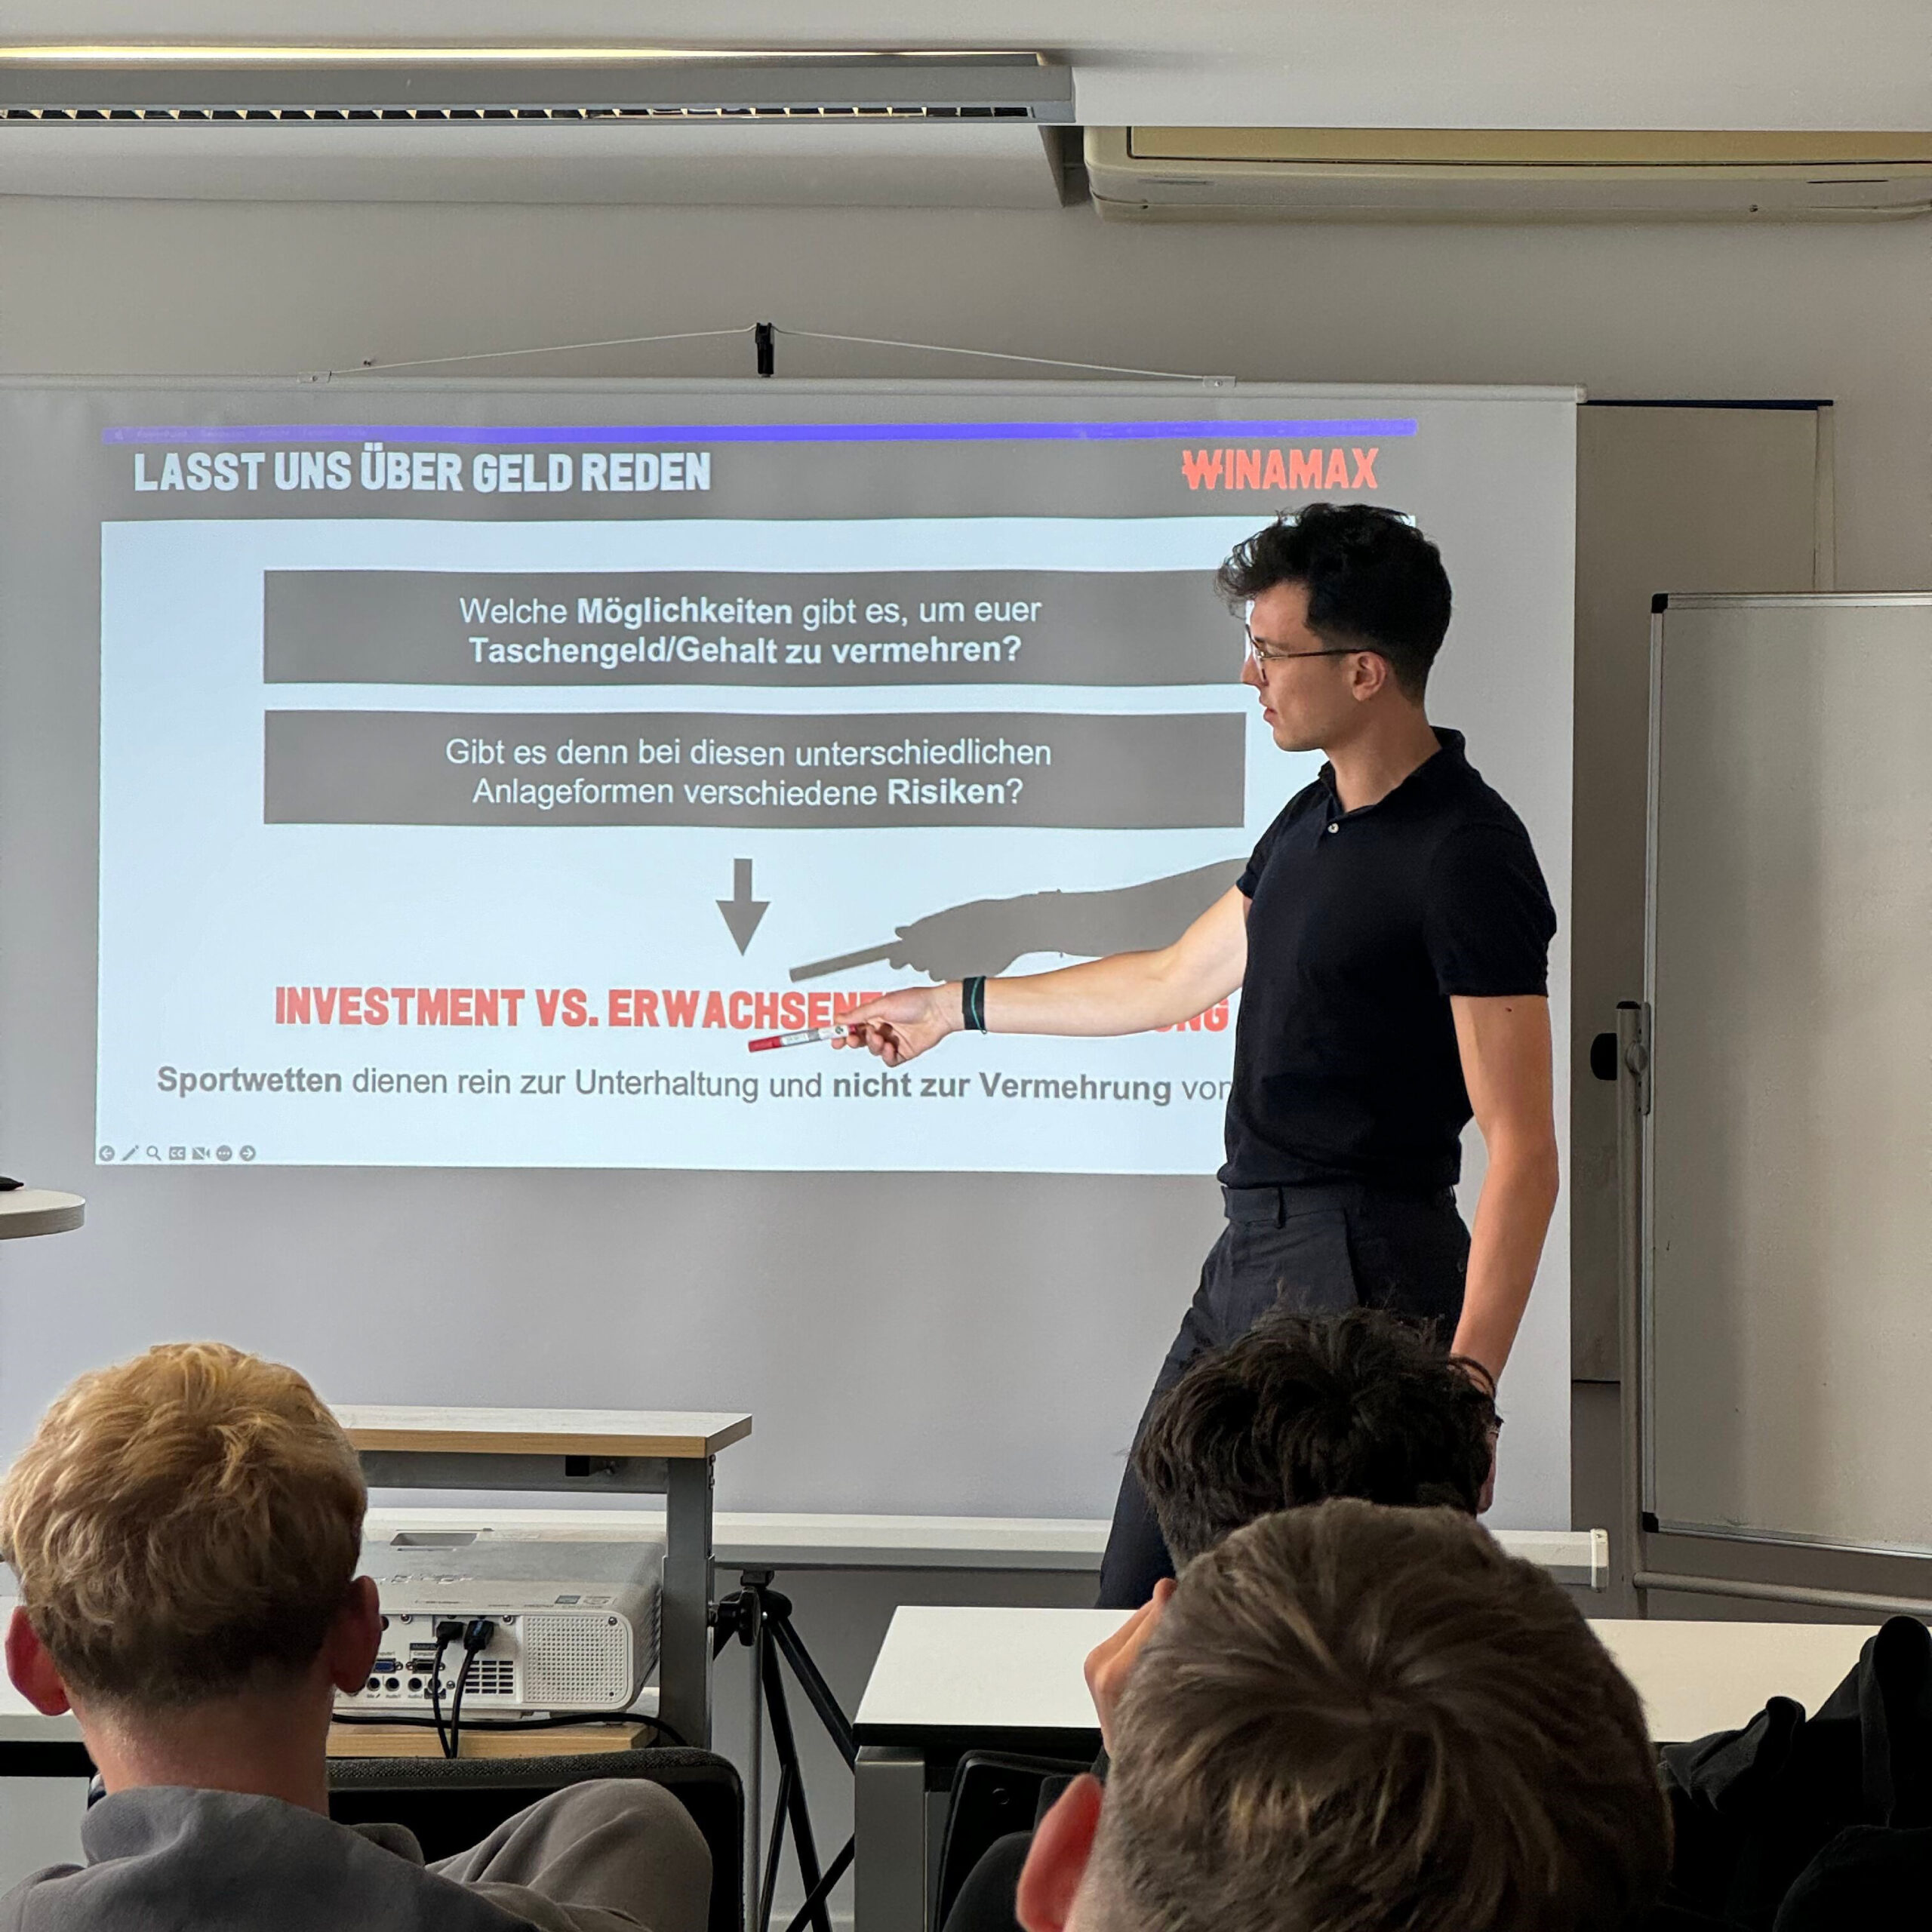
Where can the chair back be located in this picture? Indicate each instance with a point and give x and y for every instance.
(994, 1793)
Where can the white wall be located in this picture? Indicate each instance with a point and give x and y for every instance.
(1841, 312)
(1838, 311)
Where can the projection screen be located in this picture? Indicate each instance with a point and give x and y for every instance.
(416, 802)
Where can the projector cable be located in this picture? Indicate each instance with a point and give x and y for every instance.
(448, 1631)
(475, 1636)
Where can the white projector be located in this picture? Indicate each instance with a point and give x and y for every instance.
(576, 1623)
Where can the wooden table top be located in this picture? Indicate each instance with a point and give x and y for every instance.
(398, 1740)
(677, 1434)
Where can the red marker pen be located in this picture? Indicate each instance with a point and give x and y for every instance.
(806, 1037)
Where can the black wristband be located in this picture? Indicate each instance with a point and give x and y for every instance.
(973, 1003)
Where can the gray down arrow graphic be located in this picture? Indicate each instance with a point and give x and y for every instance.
(742, 912)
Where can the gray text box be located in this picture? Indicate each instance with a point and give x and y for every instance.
(678, 627)
(415, 767)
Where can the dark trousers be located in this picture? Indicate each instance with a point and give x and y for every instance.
(1316, 1250)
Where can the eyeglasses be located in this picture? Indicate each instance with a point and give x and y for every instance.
(1265, 655)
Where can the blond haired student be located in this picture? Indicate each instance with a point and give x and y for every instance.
(186, 1528)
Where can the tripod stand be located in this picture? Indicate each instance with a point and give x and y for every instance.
(760, 1618)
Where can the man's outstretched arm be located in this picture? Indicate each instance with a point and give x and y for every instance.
(1127, 992)
(1505, 1052)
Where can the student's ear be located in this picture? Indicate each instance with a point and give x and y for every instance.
(32, 1669)
(1062, 1843)
(355, 1637)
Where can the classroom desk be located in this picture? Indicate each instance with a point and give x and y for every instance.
(38, 1211)
(32, 1745)
(948, 1680)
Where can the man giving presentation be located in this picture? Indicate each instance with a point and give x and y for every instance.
(1390, 939)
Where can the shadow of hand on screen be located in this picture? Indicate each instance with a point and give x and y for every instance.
(988, 935)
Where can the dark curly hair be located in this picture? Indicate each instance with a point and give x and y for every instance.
(1303, 1407)
(1374, 580)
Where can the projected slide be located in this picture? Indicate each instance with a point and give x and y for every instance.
(475, 793)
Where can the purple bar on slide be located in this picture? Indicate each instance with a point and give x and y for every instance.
(756, 432)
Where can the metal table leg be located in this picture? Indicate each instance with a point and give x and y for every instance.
(683, 1642)
(889, 1819)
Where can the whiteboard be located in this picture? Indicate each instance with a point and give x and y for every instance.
(1788, 1253)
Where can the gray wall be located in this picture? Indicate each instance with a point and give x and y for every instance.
(1669, 500)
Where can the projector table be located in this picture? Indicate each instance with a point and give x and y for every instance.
(600, 1452)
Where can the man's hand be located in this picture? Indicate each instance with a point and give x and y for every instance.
(901, 1026)
(1108, 1665)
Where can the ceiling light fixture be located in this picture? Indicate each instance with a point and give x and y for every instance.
(176, 81)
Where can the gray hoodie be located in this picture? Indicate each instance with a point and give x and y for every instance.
(164, 1859)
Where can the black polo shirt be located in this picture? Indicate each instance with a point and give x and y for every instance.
(1360, 925)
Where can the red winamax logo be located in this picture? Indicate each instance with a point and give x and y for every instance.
(1231, 469)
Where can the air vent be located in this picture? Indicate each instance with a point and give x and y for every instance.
(201, 86)
(493, 1677)
(575, 1662)
(1504, 174)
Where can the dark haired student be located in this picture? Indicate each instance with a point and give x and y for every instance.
(1390, 939)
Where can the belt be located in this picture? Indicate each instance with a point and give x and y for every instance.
(1278, 1205)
